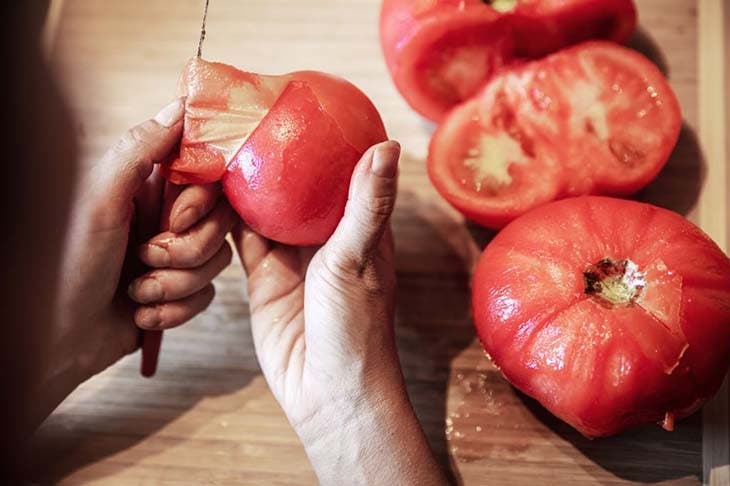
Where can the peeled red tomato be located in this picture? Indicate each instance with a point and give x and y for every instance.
(611, 313)
(284, 147)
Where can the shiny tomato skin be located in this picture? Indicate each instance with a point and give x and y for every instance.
(605, 369)
(355, 115)
(595, 118)
(440, 52)
(284, 146)
(285, 182)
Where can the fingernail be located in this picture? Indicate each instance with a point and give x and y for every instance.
(149, 317)
(171, 114)
(385, 159)
(157, 254)
(146, 290)
(184, 220)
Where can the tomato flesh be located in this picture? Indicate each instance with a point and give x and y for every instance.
(440, 52)
(590, 305)
(592, 119)
(284, 146)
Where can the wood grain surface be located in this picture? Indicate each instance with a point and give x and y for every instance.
(208, 418)
(714, 28)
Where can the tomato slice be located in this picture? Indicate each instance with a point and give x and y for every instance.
(440, 52)
(611, 313)
(596, 118)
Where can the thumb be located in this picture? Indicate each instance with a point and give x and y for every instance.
(126, 166)
(369, 206)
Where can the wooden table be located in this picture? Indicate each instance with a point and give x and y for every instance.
(208, 418)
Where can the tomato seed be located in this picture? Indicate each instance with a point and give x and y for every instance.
(624, 152)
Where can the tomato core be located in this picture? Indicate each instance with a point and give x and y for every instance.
(614, 284)
(501, 5)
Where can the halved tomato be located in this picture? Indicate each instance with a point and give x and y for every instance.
(596, 118)
(611, 313)
(441, 52)
(284, 146)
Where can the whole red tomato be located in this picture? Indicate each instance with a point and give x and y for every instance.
(595, 118)
(611, 313)
(283, 146)
(441, 52)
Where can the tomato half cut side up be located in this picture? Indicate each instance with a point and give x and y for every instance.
(441, 52)
(596, 118)
(488, 166)
(611, 313)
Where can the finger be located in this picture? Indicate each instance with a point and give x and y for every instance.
(194, 247)
(170, 194)
(387, 243)
(172, 314)
(148, 206)
(370, 204)
(173, 284)
(192, 205)
(251, 247)
(147, 203)
(126, 166)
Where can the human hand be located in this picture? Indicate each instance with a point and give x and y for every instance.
(117, 206)
(322, 326)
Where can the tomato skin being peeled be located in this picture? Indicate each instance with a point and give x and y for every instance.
(599, 352)
(440, 52)
(595, 118)
(284, 147)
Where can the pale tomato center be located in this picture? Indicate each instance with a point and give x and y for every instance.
(614, 283)
(491, 159)
(502, 5)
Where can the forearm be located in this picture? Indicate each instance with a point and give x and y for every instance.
(376, 440)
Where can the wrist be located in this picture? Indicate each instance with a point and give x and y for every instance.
(60, 374)
(72, 359)
(372, 438)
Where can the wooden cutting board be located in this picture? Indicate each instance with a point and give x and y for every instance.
(208, 418)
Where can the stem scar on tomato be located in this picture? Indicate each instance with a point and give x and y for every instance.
(614, 284)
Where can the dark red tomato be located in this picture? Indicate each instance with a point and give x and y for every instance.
(284, 146)
(611, 313)
(596, 118)
(441, 52)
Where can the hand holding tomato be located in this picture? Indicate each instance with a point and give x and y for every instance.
(284, 147)
(322, 324)
(117, 207)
